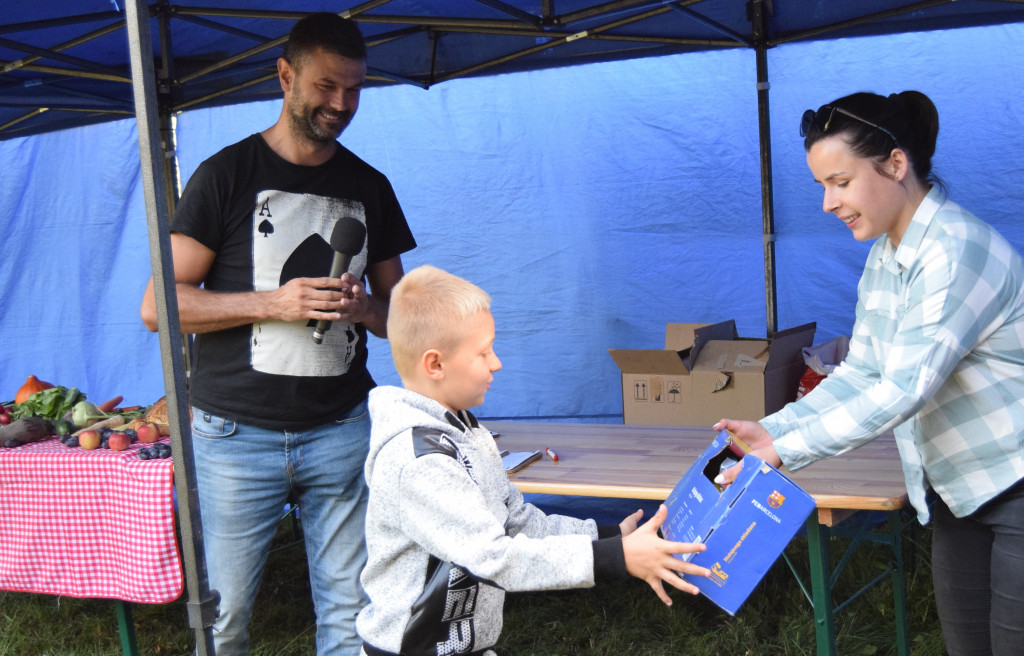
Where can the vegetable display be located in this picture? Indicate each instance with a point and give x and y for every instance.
(85, 413)
(42, 410)
(51, 403)
(109, 406)
(30, 387)
(25, 431)
(108, 422)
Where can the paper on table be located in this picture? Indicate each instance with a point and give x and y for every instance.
(518, 460)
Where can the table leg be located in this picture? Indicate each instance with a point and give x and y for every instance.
(899, 592)
(126, 627)
(821, 586)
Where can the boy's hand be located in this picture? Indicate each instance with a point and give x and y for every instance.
(650, 558)
(629, 524)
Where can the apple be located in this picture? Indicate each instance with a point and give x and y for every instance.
(148, 432)
(89, 439)
(118, 441)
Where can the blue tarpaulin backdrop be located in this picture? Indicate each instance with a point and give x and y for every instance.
(595, 203)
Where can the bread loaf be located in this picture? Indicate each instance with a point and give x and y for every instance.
(157, 412)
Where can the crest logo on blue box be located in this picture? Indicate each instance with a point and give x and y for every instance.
(745, 526)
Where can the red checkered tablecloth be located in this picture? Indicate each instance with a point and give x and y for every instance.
(80, 523)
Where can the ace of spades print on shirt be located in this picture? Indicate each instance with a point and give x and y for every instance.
(290, 239)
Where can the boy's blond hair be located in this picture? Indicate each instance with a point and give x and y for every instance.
(428, 308)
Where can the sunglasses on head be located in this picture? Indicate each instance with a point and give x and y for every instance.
(810, 116)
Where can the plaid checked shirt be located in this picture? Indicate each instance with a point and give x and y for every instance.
(937, 355)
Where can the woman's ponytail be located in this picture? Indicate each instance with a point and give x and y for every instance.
(919, 124)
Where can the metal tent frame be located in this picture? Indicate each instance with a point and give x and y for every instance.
(62, 65)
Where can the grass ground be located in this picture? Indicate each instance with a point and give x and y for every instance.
(615, 619)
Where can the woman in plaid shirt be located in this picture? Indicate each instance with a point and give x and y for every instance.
(936, 355)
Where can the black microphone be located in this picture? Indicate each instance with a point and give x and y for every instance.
(347, 240)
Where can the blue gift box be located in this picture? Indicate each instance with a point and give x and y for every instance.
(745, 525)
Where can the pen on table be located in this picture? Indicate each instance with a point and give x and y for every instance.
(551, 454)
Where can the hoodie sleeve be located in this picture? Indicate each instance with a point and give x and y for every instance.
(527, 519)
(444, 511)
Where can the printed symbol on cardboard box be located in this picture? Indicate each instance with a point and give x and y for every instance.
(675, 392)
(656, 389)
(640, 390)
(775, 499)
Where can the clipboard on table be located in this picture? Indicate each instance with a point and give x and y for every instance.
(519, 460)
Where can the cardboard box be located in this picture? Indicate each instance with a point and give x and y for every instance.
(745, 526)
(706, 372)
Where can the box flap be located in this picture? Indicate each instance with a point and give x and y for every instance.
(701, 336)
(788, 344)
(680, 336)
(648, 361)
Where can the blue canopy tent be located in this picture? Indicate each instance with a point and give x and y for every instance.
(67, 64)
(613, 215)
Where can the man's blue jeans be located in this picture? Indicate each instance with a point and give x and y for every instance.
(245, 475)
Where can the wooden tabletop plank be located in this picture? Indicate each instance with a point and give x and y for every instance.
(645, 462)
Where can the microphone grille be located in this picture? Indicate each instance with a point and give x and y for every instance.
(348, 236)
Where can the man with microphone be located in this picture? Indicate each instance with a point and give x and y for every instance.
(279, 381)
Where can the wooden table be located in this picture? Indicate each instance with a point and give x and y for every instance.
(645, 462)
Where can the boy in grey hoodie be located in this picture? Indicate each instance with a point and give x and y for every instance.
(447, 533)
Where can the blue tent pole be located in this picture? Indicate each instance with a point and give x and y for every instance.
(202, 602)
(760, 25)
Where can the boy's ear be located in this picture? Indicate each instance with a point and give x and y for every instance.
(432, 366)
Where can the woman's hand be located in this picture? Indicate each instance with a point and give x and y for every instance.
(750, 433)
(753, 435)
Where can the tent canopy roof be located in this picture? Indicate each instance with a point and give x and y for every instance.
(65, 63)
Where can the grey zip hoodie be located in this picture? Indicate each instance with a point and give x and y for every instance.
(447, 534)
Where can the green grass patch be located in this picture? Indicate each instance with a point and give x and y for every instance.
(617, 619)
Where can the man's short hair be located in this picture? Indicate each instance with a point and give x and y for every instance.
(332, 33)
(428, 310)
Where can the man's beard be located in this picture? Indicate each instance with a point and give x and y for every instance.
(302, 119)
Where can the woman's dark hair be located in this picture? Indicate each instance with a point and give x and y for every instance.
(873, 125)
(328, 31)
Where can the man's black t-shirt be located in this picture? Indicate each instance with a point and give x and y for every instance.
(270, 221)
